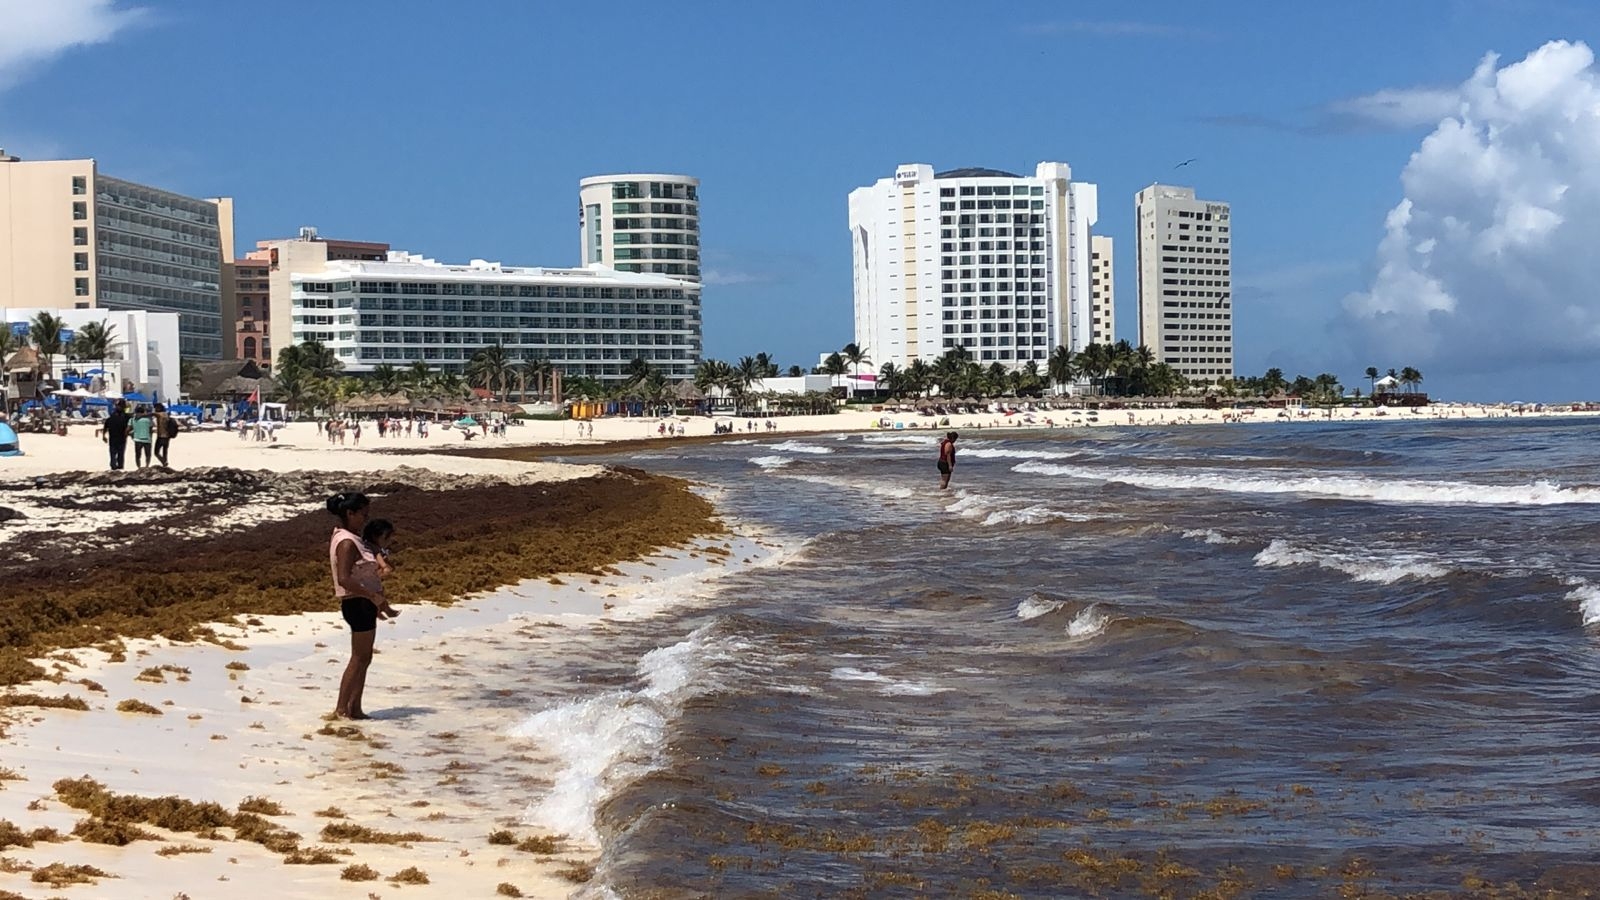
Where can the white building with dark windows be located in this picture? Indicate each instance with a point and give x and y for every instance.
(589, 321)
(648, 224)
(990, 261)
(1185, 268)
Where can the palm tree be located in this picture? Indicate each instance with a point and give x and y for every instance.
(1273, 382)
(1063, 367)
(1410, 377)
(384, 378)
(918, 377)
(891, 379)
(749, 371)
(796, 372)
(45, 333)
(93, 341)
(637, 370)
(1372, 379)
(834, 366)
(769, 369)
(491, 369)
(416, 379)
(856, 357)
(10, 342)
(711, 375)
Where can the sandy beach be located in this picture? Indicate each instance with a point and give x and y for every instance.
(185, 648)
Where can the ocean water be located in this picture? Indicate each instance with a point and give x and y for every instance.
(1284, 660)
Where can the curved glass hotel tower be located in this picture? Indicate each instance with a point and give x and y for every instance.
(642, 223)
(990, 261)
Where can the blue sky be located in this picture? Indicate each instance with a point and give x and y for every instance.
(461, 130)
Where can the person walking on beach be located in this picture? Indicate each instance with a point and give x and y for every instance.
(116, 434)
(947, 459)
(143, 430)
(166, 430)
(359, 590)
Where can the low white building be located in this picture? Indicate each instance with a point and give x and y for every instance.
(802, 384)
(144, 347)
(591, 321)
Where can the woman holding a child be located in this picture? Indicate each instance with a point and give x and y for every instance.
(357, 555)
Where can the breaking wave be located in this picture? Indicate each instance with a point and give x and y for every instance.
(1344, 487)
(1374, 567)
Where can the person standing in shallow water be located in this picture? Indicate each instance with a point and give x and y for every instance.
(947, 459)
(360, 594)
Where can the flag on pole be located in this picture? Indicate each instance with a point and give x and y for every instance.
(255, 396)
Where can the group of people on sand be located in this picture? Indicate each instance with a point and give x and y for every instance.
(151, 429)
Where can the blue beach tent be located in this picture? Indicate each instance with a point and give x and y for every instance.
(9, 445)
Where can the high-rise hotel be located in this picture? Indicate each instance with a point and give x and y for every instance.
(72, 237)
(1185, 281)
(1102, 291)
(648, 224)
(990, 261)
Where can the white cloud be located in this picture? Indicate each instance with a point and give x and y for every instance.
(1400, 107)
(33, 32)
(724, 276)
(1489, 263)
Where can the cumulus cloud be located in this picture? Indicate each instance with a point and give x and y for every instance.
(36, 31)
(1489, 263)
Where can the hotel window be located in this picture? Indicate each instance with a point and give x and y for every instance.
(80, 185)
(80, 237)
(80, 262)
(80, 210)
(80, 286)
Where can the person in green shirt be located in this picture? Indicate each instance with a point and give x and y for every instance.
(142, 428)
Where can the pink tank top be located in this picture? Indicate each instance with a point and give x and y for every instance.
(366, 568)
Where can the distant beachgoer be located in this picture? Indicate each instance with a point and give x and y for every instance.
(383, 427)
(355, 433)
(166, 429)
(947, 459)
(142, 429)
(359, 590)
(116, 434)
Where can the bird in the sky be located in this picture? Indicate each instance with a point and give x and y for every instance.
(1186, 162)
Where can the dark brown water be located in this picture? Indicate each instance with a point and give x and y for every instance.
(1293, 660)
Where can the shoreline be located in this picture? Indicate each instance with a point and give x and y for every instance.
(218, 715)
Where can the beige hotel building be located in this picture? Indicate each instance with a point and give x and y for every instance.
(1102, 291)
(1185, 281)
(72, 237)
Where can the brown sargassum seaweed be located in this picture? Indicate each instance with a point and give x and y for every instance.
(449, 543)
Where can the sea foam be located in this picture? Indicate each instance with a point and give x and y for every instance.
(888, 686)
(1375, 566)
(1345, 487)
(1034, 606)
(771, 462)
(799, 447)
(1587, 596)
(1087, 623)
(604, 742)
(1209, 536)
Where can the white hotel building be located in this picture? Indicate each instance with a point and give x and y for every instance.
(990, 261)
(587, 321)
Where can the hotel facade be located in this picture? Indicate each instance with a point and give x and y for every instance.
(641, 223)
(588, 321)
(985, 260)
(72, 237)
(1102, 291)
(1185, 271)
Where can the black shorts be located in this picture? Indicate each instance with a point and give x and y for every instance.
(360, 612)
(944, 467)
